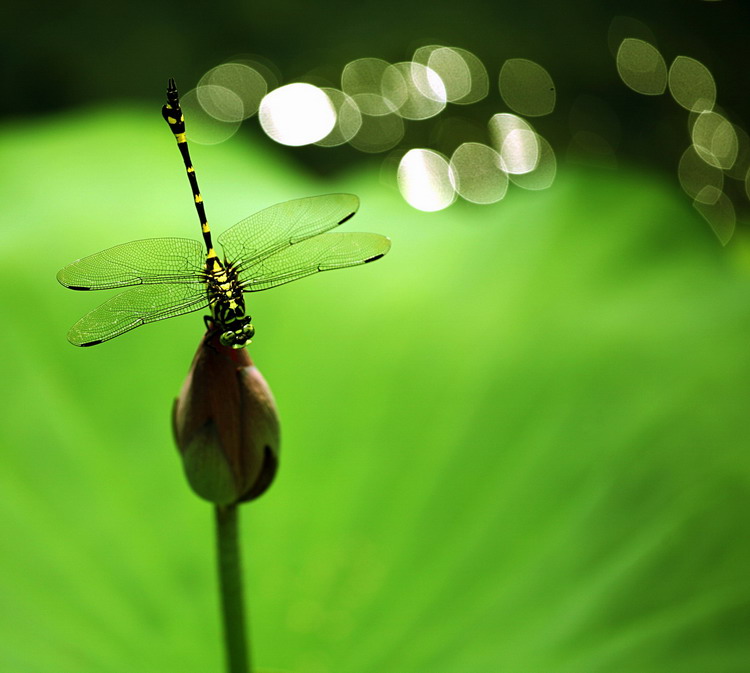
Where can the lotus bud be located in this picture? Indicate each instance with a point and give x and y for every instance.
(226, 425)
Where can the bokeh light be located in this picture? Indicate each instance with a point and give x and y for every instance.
(220, 103)
(205, 129)
(246, 83)
(453, 70)
(719, 148)
(515, 141)
(718, 211)
(692, 85)
(348, 119)
(464, 75)
(742, 162)
(480, 79)
(527, 88)
(476, 173)
(424, 180)
(378, 99)
(362, 80)
(543, 174)
(642, 67)
(624, 27)
(695, 174)
(419, 90)
(266, 68)
(297, 114)
(715, 140)
(378, 133)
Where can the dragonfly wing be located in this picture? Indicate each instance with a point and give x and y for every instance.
(285, 224)
(153, 260)
(321, 253)
(136, 307)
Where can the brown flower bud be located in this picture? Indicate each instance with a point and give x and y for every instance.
(226, 426)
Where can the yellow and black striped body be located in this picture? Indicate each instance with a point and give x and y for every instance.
(228, 306)
(224, 292)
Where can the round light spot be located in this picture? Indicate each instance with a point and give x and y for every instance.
(480, 80)
(245, 82)
(691, 84)
(742, 162)
(428, 82)
(544, 172)
(374, 104)
(363, 81)
(221, 103)
(695, 174)
(348, 119)
(423, 88)
(527, 88)
(266, 68)
(458, 69)
(378, 133)
(476, 173)
(515, 141)
(520, 151)
(424, 180)
(718, 211)
(202, 128)
(715, 140)
(297, 114)
(422, 54)
(641, 67)
(623, 27)
(453, 71)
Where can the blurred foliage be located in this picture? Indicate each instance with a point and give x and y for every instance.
(518, 443)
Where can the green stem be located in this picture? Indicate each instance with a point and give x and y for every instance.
(230, 585)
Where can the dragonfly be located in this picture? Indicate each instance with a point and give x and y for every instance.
(169, 277)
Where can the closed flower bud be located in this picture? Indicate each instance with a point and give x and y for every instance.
(226, 426)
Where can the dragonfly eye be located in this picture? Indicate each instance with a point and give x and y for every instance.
(229, 339)
(238, 338)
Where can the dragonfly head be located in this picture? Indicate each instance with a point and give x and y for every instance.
(238, 338)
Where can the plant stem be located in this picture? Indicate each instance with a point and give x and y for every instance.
(230, 585)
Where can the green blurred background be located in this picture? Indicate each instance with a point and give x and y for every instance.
(518, 443)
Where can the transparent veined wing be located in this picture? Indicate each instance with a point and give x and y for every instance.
(152, 260)
(284, 225)
(321, 253)
(136, 307)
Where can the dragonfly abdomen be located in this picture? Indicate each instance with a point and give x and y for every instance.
(172, 113)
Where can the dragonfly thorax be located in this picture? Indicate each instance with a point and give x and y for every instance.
(228, 307)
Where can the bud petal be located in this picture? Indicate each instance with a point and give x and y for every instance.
(226, 426)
